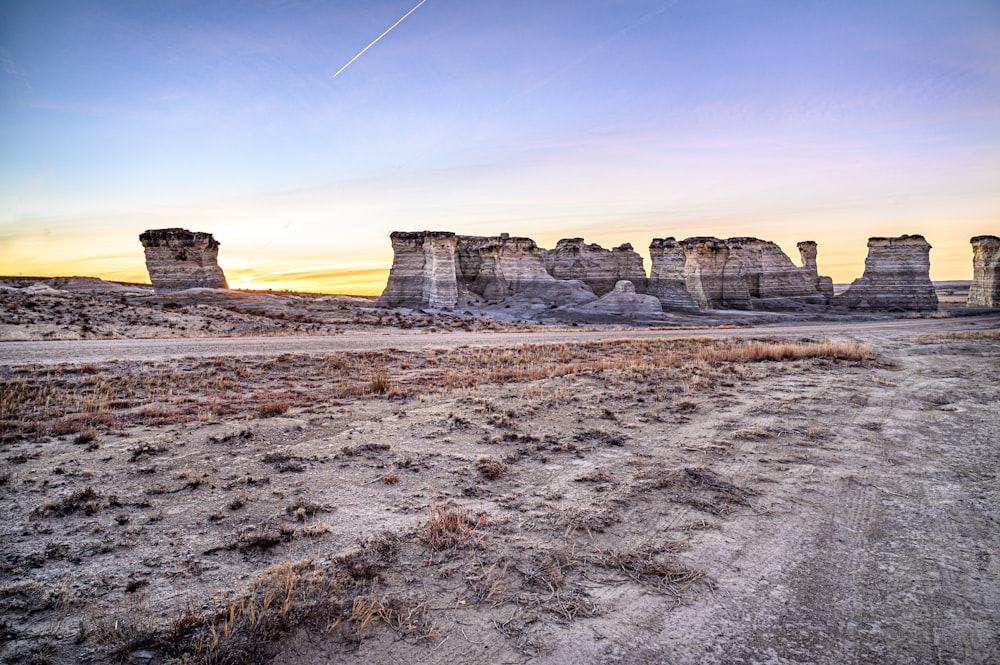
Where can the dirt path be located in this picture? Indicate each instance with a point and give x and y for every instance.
(89, 351)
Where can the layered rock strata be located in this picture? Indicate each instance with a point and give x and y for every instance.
(600, 269)
(423, 270)
(666, 276)
(178, 259)
(495, 268)
(985, 288)
(749, 273)
(896, 277)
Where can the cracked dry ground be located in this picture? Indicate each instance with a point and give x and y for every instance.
(674, 501)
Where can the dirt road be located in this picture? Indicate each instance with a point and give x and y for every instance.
(61, 351)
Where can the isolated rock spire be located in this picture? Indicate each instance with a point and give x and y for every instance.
(896, 277)
(985, 288)
(178, 259)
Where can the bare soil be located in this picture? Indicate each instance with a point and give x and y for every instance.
(776, 497)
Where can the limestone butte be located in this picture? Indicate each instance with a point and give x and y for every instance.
(178, 259)
(985, 288)
(896, 277)
(423, 270)
(442, 270)
(600, 269)
(748, 273)
(666, 276)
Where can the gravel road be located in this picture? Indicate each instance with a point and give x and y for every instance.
(63, 351)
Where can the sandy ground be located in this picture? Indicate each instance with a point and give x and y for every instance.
(577, 499)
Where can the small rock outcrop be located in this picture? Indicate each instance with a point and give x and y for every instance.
(600, 269)
(178, 259)
(423, 270)
(666, 276)
(749, 273)
(622, 303)
(896, 277)
(985, 288)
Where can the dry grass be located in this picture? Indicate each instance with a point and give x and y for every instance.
(60, 400)
(992, 333)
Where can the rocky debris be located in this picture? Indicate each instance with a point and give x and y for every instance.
(749, 273)
(179, 259)
(423, 270)
(985, 288)
(622, 303)
(896, 277)
(600, 269)
(666, 276)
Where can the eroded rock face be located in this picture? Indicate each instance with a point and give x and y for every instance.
(497, 267)
(622, 303)
(666, 276)
(896, 277)
(748, 273)
(600, 269)
(423, 272)
(714, 273)
(985, 288)
(178, 259)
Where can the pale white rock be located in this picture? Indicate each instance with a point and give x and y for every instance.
(600, 269)
(666, 276)
(423, 272)
(985, 288)
(178, 259)
(749, 273)
(896, 277)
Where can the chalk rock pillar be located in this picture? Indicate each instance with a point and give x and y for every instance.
(178, 259)
(666, 276)
(808, 251)
(715, 274)
(423, 271)
(896, 277)
(985, 288)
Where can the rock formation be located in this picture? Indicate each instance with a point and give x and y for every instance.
(423, 270)
(896, 277)
(985, 288)
(748, 273)
(600, 269)
(179, 259)
(807, 251)
(620, 304)
(666, 276)
(497, 267)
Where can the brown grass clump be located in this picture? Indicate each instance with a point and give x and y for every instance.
(490, 468)
(448, 528)
(654, 566)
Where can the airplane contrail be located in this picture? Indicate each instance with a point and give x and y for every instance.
(375, 41)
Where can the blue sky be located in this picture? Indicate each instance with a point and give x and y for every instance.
(615, 120)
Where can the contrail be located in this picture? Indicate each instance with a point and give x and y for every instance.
(391, 27)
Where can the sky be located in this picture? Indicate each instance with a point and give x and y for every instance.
(612, 120)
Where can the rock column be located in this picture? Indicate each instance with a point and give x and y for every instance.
(896, 277)
(178, 259)
(423, 270)
(985, 288)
